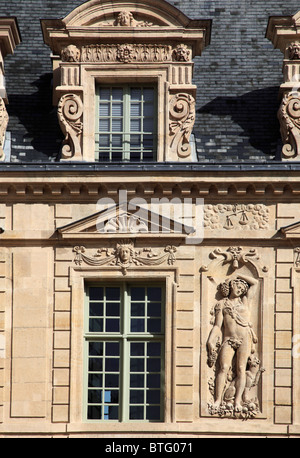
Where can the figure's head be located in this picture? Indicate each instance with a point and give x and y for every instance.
(124, 252)
(235, 287)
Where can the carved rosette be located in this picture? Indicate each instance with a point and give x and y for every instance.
(3, 126)
(182, 119)
(70, 111)
(289, 118)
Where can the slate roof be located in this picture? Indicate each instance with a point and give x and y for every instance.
(238, 78)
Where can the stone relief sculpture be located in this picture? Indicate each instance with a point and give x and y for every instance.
(70, 110)
(124, 255)
(232, 352)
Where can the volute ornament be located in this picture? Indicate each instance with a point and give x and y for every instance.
(70, 110)
(289, 118)
(182, 119)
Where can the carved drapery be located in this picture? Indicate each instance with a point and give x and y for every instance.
(124, 255)
(70, 110)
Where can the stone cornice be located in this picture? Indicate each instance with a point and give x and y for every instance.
(86, 185)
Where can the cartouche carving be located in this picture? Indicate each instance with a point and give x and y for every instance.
(289, 118)
(124, 256)
(3, 126)
(182, 119)
(231, 348)
(70, 110)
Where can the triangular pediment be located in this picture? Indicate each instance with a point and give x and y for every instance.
(292, 230)
(118, 220)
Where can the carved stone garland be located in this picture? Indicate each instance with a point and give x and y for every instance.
(124, 256)
(70, 110)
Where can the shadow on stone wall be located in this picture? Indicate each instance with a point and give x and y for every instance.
(34, 123)
(256, 113)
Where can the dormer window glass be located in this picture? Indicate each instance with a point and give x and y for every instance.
(126, 123)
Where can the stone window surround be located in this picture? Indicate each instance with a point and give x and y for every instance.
(78, 277)
(91, 46)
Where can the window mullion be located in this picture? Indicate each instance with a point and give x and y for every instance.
(125, 354)
(127, 114)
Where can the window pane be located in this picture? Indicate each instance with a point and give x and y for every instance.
(154, 309)
(95, 380)
(154, 293)
(138, 309)
(154, 325)
(135, 125)
(96, 309)
(149, 110)
(117, 109)
(153, 397)
(96, 325)
(148, 125)
(117, 93)
(104, 110)
(96, 348)
(136, 93)
(137, 294)
(104, 141)
(111, 412)
(95, 396)
(112, 364)
(136, 109)
(111, 380)
(136, 381)
(117, 125)
(104, 125)
(95, 364)
(96, 294)
(136, 413)
(137, 365)
(137, 325)
(148, 94)
(153, 349)
(153, 380)
(136, 397)
(137, 349)
(94, 412)
(112, 349)
(153, 412)
(113, 294)
(104, 93)
(153, 365)
(112, 309)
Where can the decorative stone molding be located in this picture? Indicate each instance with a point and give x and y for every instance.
(284, 32)
(149, 41)
(124, 255)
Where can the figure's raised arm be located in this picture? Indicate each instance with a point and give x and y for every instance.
(252, 282)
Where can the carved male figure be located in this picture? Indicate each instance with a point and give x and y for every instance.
(232, 335)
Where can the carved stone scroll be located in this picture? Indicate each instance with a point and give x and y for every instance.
(289, 118)
(125, 255)
(3, 126)
(182, 119)
(70, 110)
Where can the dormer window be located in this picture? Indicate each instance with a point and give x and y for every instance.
(131, 64)
(126, 121)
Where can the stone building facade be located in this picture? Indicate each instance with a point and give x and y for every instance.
(149, 262)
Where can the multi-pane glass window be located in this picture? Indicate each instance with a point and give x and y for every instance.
(124, 342)
(126, 123)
